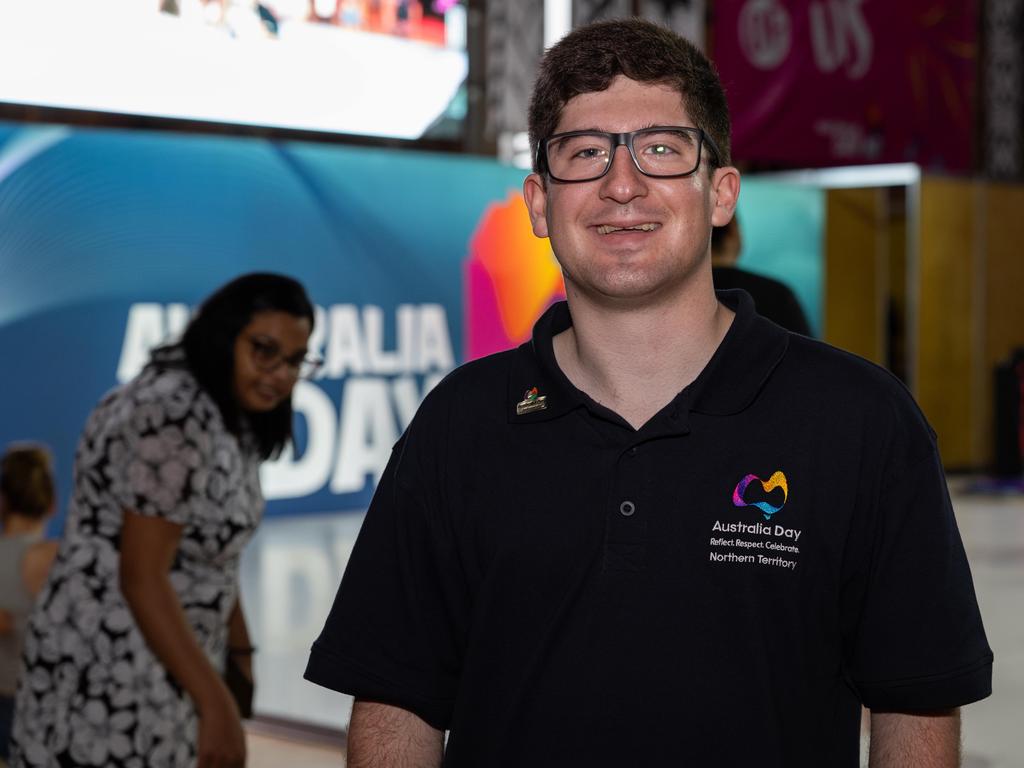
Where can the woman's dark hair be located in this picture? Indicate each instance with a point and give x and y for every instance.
(26, 481)
(589, 58)
(208, 348)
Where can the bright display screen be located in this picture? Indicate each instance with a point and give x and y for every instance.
(383, 68)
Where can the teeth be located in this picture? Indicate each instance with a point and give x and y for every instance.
(607, 229)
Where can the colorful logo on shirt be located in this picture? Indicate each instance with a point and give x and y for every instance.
(777, 480)
(511, 277)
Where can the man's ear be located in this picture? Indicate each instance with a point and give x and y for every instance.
(536, 194)
(725, 193)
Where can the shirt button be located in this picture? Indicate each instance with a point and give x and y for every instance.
(627, 508)
(633, 451)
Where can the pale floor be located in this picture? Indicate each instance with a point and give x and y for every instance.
(274, 752)
(993, 533)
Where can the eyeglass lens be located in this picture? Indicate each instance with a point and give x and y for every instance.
(658, 152)
(267, 356)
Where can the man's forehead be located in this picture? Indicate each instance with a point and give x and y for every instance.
(624, 105)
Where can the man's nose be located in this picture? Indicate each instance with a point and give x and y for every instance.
(623, 182)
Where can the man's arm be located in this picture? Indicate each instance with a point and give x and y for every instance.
(926, 740)
(382, 736)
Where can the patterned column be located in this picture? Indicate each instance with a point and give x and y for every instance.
(586, 11)
(1003, 142)
(687, 17)
(515, 41)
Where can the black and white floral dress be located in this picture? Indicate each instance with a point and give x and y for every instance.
(91, 692)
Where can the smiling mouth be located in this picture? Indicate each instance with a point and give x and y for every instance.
(268, 394)
(607, 229)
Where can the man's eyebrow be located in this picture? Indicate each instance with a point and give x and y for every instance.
(643, 127)
(576, 130)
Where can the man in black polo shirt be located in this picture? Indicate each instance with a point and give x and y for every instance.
(666, 531)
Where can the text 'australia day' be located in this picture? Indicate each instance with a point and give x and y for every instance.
(377, 369)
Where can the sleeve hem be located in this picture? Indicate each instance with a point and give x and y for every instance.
(344, 675)
(947, 691)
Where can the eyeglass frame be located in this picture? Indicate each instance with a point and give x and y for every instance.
(313, 361)
(626, 139)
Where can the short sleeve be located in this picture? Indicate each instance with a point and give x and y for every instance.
(160, 450)
(919, 643)
(396, 632)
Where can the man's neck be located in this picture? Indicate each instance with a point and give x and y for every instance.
(636, 359)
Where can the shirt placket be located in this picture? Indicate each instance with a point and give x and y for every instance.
(628, 511)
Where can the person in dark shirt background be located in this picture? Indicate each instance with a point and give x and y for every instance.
(772, 298)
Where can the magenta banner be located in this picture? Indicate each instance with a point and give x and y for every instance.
(839, 82)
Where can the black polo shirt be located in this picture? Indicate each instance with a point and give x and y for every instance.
(724, 586)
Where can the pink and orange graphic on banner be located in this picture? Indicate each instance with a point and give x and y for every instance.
(511, 277)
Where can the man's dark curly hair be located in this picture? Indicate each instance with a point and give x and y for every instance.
(589, 58)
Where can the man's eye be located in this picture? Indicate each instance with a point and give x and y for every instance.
(660, 149)
(589, 153)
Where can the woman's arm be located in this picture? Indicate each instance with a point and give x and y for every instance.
(35, 565)
(148, 548)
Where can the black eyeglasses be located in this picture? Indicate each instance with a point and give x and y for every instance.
(266, 355)
(663, 151)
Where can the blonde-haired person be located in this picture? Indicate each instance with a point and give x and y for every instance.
(27, 500)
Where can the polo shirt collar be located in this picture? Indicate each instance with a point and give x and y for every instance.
(743, 362)
(732, 379)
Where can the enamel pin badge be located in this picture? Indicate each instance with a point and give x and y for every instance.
(532, 401)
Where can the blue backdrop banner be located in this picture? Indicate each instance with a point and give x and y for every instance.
(108, 238)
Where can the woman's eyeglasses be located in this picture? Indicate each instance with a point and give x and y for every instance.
(266, 355)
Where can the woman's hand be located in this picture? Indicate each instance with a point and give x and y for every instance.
(221, 737)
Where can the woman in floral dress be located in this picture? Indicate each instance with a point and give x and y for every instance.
(126, 646)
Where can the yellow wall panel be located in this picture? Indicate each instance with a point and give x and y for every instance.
(961, 287)
(946, 341)
(853, 316)
(1002, 211)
